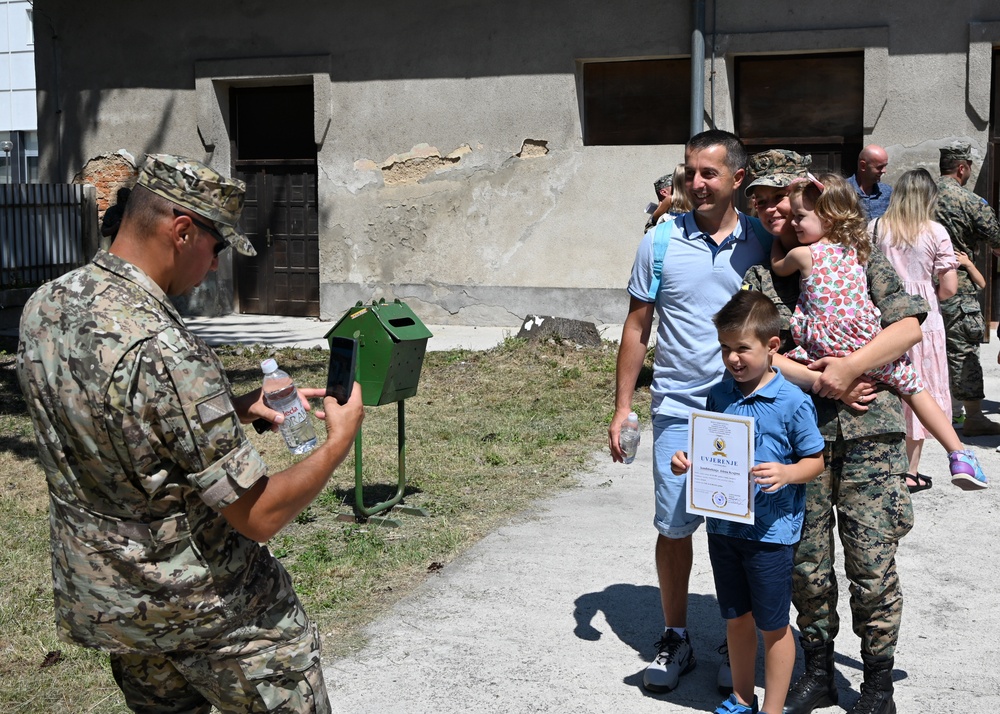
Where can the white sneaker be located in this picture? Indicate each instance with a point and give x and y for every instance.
(674, 657)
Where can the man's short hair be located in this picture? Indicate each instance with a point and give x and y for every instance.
(144, 209)
(749, 311)
(736, 153)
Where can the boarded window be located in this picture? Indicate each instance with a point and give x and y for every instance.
(636, 102)
(816, 98)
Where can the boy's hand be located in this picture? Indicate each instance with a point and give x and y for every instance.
(770, 476)
(679, 463)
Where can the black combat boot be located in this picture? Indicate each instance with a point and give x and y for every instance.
(815, 688)
(876, 690)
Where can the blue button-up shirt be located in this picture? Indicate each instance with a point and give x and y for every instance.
(875, 203)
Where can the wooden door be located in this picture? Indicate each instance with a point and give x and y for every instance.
(282, 221)
(275, 153)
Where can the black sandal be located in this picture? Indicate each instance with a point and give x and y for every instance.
(920, 482)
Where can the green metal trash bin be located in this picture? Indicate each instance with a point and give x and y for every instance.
(391, 345)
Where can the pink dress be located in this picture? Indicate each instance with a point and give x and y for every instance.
(835, 316)
(917, 265)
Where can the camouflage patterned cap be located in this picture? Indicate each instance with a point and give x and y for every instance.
(665, 181)
(193, 185)
(957, 152)
(776, 167)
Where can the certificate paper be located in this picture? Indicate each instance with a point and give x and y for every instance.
(721, 455)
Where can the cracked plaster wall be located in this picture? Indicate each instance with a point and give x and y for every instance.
(457, 179)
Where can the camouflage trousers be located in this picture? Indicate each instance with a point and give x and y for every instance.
(275, 676)
(964, 330)
(862, 492)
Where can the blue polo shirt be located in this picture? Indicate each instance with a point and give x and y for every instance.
(873, 204)
(697, 279)
(784, 431)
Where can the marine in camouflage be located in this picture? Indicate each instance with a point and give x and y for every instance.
(863, 484)
(862, 492)
(142, 448)
(970, 222)
(199, 188)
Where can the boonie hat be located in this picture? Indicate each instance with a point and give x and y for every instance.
(777, 168)
(193, 185)
(958, 151)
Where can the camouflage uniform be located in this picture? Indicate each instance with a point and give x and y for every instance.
(142, 449)
(862, 487)
(969, 221)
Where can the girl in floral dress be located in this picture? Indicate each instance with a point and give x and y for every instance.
(834, 316)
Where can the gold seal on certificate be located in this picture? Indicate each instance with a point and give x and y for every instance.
(721, 455)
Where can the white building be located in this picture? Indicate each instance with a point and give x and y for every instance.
(18, 112)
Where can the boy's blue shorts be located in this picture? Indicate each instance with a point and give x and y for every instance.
(751, 576)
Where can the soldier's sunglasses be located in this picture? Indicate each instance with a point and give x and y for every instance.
(220, 243)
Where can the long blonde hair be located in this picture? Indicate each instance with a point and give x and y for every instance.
(679, 200)
(838, 209)
(911, 207)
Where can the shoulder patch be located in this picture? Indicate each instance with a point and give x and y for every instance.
(214, 408)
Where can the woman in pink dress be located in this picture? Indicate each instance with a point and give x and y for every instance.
(921, 251)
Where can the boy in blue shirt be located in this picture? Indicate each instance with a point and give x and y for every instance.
(752, 563)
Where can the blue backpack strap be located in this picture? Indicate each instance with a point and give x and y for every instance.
(661, 239)
(763, 236)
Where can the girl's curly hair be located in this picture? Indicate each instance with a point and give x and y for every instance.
(838, 209)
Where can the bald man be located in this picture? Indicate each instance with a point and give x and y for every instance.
(873, 195)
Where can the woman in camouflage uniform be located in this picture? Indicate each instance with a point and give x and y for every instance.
(863, 490)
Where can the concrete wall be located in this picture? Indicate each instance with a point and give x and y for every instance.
(427, 187)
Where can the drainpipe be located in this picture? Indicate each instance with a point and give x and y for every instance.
(698, 68)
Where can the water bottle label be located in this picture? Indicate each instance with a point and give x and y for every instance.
(294, 414)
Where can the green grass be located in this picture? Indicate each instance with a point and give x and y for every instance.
(486, 434)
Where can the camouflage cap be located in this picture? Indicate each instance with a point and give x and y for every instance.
(665, 181)
(958, 151)
(193, 185)
(777, 168)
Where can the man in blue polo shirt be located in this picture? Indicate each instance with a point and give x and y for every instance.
(872, 193)
(707, 253)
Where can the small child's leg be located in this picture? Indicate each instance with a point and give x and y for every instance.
(966, 473)
(934, 420)
(914, 448)
(741, 635)
(779, 660)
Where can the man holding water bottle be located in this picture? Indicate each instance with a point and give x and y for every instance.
(158, 500)
(707, 253)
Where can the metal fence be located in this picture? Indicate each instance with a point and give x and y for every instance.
(45, 230)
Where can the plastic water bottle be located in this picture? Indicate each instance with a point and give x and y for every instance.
(628, 437)
(280, 394)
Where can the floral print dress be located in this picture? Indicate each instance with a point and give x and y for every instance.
(835, 317)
